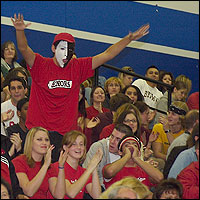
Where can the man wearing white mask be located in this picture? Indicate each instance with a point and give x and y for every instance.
(56, 81)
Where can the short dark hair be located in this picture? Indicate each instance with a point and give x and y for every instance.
(17, 78)
(123, 128)
(21, 102)
(168, 184)
(117, 100)
(152, 66)
(141, 105)
(8, 187)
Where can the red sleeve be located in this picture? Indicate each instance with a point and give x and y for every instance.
(189, 178)
(20, 164)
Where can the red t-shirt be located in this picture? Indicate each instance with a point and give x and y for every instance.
(136, 172)
(73, 175)
(22, 166)
(92, 112)
(54, 93)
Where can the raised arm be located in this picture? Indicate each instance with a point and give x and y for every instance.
(22, 43)
(116, 48)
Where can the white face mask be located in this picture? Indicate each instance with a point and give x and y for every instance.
(61, 53)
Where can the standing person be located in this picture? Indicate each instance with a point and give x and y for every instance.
(8, 57)
(18, 88)
(55, 81)
(34, 170)
(77, 179)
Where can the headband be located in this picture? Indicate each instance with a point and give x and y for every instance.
(177, 110)
(129, 138)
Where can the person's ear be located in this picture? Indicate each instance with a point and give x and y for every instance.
(18, 113)
(53, 48)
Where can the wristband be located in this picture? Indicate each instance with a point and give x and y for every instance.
(167, 131)
(61, 167)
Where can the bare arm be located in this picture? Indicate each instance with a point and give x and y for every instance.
(57, 184)
(22, 43)
(154, 173)
(94, 188)
(112, 169)
(157, 149)
(116, 48)
(31, 187)
(73, 189)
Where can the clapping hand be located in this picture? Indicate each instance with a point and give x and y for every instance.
(47, 158)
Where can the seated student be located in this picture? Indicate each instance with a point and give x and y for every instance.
(19, 72)
(8, 57)
(6, 190)
(178, 149)
(130, 164)
(113, 86)
(18, 88)
(19, 131)
(186, 157)
(97, 98)
(191, 118)
(133, 92)
(104, 119)
(169, 128)
(126, 78)
(165, 77)
(188, 83)
(34, 170)
(178, 94)
(193, 101)
(77, 179)
(82, 119)
(138, 189)
(109, 148)
(168, 189)
(189, 178)
(8, 173)
(119, 118)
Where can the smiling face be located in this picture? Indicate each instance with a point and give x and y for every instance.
(131, 121)
(173, 118)
(77, 148)
(9, 52)
(41, 143)
(98, 95)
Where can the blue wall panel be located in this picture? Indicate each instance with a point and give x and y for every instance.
(169, 28)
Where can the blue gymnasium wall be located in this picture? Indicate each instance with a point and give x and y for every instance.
(172, 28)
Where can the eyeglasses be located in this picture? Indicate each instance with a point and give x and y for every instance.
(128, 121)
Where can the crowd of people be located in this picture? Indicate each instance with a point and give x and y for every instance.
(64, 137)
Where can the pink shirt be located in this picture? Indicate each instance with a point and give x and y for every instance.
(54, 93)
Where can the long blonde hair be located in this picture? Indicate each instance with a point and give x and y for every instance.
(29, 144)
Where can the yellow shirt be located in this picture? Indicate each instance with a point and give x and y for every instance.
(162, 137)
